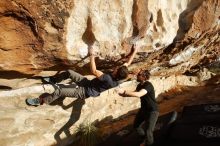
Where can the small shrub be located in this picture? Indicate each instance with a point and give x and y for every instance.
(87, 135)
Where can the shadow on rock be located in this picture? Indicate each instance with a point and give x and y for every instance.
(74, 117)
(5, 87)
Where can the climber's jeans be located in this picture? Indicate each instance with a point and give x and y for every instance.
(76, 90)
(65, 91)
(150, 119)
(74, 76)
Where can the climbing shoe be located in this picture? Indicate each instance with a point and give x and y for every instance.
(48, 80)
(33, 101)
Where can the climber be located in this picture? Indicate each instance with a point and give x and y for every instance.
(83, 87)
(149, 108)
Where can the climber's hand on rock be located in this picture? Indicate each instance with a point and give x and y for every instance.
(91, 51)
(120, 91)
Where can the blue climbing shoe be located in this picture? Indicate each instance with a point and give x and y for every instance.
(33, 101)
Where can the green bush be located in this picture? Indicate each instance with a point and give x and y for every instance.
(87, 135)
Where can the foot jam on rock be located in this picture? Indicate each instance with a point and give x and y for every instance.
(48, 80)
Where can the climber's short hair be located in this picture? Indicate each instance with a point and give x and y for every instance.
(122, 73)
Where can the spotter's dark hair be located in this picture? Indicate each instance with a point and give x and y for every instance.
(146, 74)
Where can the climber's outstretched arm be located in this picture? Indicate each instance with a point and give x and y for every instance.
(93, 68)
(131, 57)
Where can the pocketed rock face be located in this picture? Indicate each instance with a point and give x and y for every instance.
(36, 35)
(19, 38)
(175, 37)
(197, 41)
(31, 34)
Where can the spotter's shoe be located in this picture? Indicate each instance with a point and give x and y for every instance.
(140, 131)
